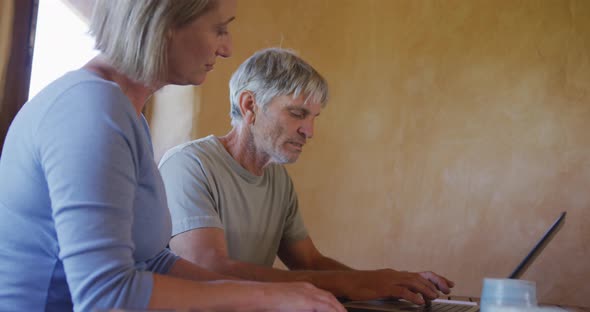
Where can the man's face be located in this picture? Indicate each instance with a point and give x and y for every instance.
(282, 128)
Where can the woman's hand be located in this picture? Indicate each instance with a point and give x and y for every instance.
(299, 297)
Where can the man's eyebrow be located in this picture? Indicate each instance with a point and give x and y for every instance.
(303, 109)
(227, 22)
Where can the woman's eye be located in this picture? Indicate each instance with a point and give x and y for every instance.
(222, 32)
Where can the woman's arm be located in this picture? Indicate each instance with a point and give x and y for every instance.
(88, 151)
(187, 270)
(173, 293)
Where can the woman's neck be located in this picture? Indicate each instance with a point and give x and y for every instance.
(138, 93)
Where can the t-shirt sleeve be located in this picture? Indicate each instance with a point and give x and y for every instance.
(189, 193)
(88, 151)
(294, 227)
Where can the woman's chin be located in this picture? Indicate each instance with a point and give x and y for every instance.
(189, 81)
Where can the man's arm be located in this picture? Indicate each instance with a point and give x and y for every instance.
(207, 248)
(303, 255)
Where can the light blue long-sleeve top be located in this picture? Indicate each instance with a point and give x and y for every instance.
(83, 215)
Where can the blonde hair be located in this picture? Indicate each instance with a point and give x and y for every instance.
(274, 72)
(133, 34)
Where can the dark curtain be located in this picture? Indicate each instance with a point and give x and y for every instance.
(18, 69)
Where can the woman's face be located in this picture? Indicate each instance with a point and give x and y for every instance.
(194, 48)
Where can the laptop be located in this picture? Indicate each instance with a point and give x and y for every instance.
(451, 305)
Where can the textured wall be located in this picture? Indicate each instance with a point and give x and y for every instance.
(170, 114)
(456, 132)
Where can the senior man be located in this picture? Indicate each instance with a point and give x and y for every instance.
(233, 204)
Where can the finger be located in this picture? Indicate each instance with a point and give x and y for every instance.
(327, 300)
(424, 285)
(405, 293)
(340, 307)
(427, 302)
(449, 282)
(418, 284)
(441, 283)
(334, 304)
(429, 283)
(325, 306)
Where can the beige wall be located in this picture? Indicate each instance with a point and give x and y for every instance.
(170, 114)
(456, 133)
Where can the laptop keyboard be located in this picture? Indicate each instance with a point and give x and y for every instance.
(399, 306)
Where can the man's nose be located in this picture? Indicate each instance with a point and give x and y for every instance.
(306, 129)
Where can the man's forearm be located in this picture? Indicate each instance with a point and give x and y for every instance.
(333, 280)
(254, 272)
(328, 264)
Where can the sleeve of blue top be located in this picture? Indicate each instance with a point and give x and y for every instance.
(89, 155)
(162, 262)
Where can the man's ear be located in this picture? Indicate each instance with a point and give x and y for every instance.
(248, 107)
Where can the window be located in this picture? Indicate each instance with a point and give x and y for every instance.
(62, 43)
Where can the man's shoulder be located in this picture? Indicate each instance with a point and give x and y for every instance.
(199, 150)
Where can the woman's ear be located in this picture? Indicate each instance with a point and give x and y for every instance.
(248, 107)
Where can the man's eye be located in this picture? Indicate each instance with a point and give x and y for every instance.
(298, 115)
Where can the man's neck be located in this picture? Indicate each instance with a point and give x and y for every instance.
(239, 143)
(137, 93)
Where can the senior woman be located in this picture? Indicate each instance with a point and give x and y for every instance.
(83, 216)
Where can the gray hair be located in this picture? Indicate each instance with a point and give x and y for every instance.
(275, 72)
(134, 34)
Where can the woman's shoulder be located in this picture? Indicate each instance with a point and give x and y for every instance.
(86, 86)
(82, 93)
(81, 103)
(77, 79)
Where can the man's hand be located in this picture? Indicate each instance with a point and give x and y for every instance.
(388, 283)
(442, 284)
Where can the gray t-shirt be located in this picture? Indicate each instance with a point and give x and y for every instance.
(206, 187)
